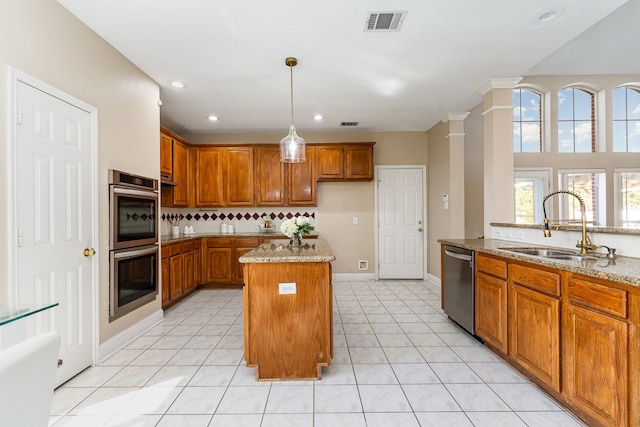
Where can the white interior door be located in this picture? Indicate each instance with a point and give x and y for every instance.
(54, 220)
(400, 223)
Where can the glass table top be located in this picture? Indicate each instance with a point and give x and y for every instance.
(10, 313)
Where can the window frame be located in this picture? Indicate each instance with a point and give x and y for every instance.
(626, 120)
(617, 196)
(541, 119)
(594, 119)
(544, 174)
(599, 210)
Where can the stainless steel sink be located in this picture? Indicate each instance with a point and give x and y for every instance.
(551, 254)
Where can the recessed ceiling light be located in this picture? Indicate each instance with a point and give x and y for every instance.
(550, 15)
(318, 117)
(213, 118)
(178, 84)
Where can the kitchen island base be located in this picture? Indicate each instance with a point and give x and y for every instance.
(288, 336)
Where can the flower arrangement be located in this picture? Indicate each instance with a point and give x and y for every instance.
(295, 228)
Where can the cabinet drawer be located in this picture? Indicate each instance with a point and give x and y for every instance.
(197, 243)
(175, 249)
(598, 297)
(538, 280)
(218, 242)
(246, 242)
(492, 266)
(187, 246)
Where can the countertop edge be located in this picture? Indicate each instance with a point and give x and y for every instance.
(491, 247)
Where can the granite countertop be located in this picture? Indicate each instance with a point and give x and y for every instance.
(312, 250)
(622, 269)
(168, 238)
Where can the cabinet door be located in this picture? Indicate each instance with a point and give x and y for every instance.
(358, 162)
(302, 182)
(177, 275)
(197, 263)
(595, 366)
(534, 333)
(187, 265)
(208, 177)
(330, 162)
(217, 260)
(238, 176)
(270, 181)
(491, 310)
(180, 174)
(166, 274)
(242, 245)
(166, 155)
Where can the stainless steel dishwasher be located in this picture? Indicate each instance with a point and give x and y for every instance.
(458, 286)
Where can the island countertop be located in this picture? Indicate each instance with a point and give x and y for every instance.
(312, 250)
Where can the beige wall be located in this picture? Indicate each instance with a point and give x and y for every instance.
(438, 221)
(339, 202)
(41, 38)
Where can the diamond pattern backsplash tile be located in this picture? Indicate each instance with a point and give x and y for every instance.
(244, 220)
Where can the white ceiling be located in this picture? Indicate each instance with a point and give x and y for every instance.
(231, 54)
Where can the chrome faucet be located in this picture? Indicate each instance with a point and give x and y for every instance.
(585, 244)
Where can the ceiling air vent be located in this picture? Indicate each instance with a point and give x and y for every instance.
(384, 21)
(346, 124)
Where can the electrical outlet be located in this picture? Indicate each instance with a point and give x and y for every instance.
(287, 288)
(363, 264)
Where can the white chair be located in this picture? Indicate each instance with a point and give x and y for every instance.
(27, 378)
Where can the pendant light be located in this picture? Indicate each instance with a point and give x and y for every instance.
(292, 147)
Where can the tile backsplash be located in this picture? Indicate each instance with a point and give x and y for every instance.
(243, 220)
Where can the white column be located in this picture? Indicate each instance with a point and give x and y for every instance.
(456, 173)
(498, 151)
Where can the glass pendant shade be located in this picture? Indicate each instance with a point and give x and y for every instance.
(292, 147)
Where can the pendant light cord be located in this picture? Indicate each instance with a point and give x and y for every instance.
(291, 91)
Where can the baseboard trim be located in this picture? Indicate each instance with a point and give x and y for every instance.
(110, 346)
(434, 279)
(353, 277)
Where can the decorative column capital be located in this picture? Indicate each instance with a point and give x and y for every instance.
(500, 83)
(453, 116)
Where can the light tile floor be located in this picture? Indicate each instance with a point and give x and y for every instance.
(398, 362)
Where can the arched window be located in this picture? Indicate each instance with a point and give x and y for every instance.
(576, 121)
(527, 121)
(626, 120)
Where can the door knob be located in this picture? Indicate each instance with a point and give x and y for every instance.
(89, 252)
(419, 221)
(420, 229)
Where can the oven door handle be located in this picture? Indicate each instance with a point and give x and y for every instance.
(458, 256)
(129, 191)
(137, 252)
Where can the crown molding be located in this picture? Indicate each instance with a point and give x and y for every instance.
(501, 83)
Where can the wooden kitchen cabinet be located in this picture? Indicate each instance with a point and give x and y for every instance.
(534, 322)
(491, 301)
(209, 176)
(358, 162)
(302, 185)
(345, 162)
(270, 177)
(217, 267)
(596, 363)
(176, 271)
(189, 282)
(241, 245)
(166, 156)
(330, 162)
(238, 176)
(197, 262)
(181, 169)
(166, 274)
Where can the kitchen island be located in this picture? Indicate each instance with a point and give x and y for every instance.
(288, 313)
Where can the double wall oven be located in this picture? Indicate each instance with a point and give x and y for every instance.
(134, 251)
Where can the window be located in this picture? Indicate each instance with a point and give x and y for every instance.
(590, 185)
(626, 120)
(576, 121)
(527, 121)
(530, 188)
(627, 186)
